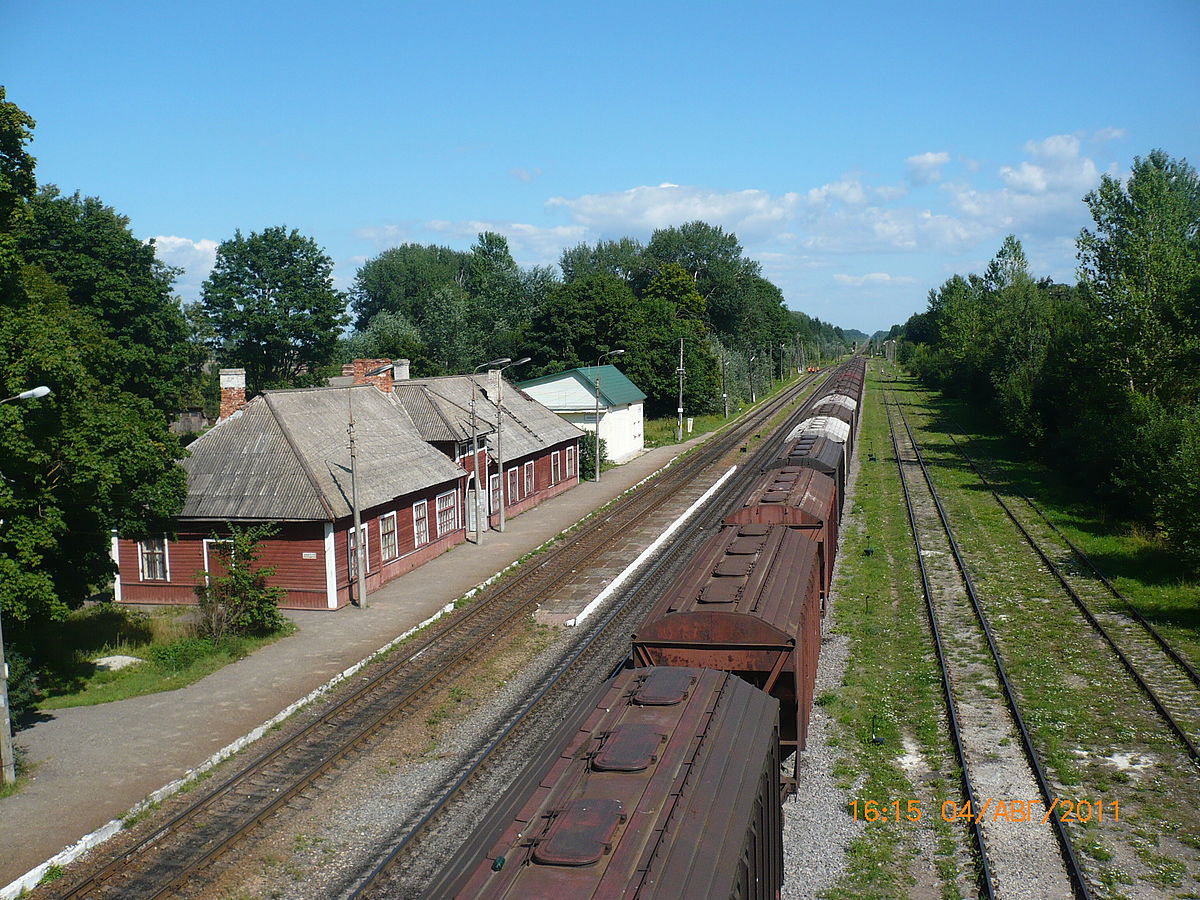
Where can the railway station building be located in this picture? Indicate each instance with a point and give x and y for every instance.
(283, 459)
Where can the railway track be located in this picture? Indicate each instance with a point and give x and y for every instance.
(1167, 680)
(420, 848)
(995, 751)
(161, 863)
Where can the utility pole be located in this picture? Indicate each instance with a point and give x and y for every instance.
(679, 410)
(499, 417)
(360, 561)
(724, 391)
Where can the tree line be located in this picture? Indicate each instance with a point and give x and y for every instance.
(1100, 377)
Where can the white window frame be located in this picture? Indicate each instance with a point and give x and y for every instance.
(421, 524)
(439, 508)
(383, 544)
(555, 467)
(514, 485)
(352, 557)
(143, 549)
(529, 482)
(494, 493)
(570, 453)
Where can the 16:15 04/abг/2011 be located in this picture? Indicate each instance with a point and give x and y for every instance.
(995, 810)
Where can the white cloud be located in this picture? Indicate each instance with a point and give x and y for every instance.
(385, 236)
(1104, 135)
(750, 213)
(926, 168)
(1057, 166)
(873, 278)
(848, 190)
(196, 258)
(522, 174)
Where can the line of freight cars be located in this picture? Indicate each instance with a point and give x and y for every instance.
(670, 788)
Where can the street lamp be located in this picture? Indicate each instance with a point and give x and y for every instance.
(8, 760)
(596, 385)
(491, 364)
(499, 416)
(31, 394)
(753, 357)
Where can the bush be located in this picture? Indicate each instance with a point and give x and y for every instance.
(22, 684)
(179, 654)
(239, 601)
(587, 456)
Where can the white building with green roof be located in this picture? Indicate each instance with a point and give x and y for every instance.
(573, 394)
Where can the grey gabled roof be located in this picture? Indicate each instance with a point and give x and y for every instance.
(286, 457)
(528, 426)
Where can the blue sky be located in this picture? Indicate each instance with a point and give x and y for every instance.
(862, 152)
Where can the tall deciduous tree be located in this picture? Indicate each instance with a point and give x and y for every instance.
(1142, 266)
(88, 248)
(90, 457)
(400, 279)
(271, 301)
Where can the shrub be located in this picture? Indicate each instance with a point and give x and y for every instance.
(179, 654)
(22, 684)
(587, 456)
(239, 600)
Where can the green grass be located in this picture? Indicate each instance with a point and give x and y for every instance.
(165, 640)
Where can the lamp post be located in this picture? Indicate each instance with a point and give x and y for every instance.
(499, 416)
(8, 760)
(491, 364)
(753, 357)
(596, 385)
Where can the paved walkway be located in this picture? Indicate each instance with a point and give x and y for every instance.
(93, 763)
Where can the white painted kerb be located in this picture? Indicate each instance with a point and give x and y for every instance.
(646, 554)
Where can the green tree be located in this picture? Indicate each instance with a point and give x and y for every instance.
(272, 304)
(1142, 266)
(390, 335)
(624, 258)
(578, 321)
(401, 279)
(88, 248)
(714, 259)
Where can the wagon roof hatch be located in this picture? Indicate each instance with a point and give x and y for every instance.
(664, 687)
(581, 833)
(629, 747)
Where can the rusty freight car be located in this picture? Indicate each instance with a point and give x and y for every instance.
(798, 498)
(749, 602)
(668, 790)
(812, 451)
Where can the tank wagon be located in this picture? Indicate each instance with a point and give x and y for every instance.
(669, 789)
(749, 602)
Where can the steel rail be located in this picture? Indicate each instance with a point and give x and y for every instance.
(530, 773)
(984, 874)
(633, 505)
(1166, 646)
(1164, 713)
(1070, 860)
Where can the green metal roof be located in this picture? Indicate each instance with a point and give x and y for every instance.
(615, 388)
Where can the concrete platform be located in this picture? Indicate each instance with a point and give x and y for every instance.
(92, 764)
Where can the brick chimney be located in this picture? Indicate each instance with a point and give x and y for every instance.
(233, 391)
(374, 371)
